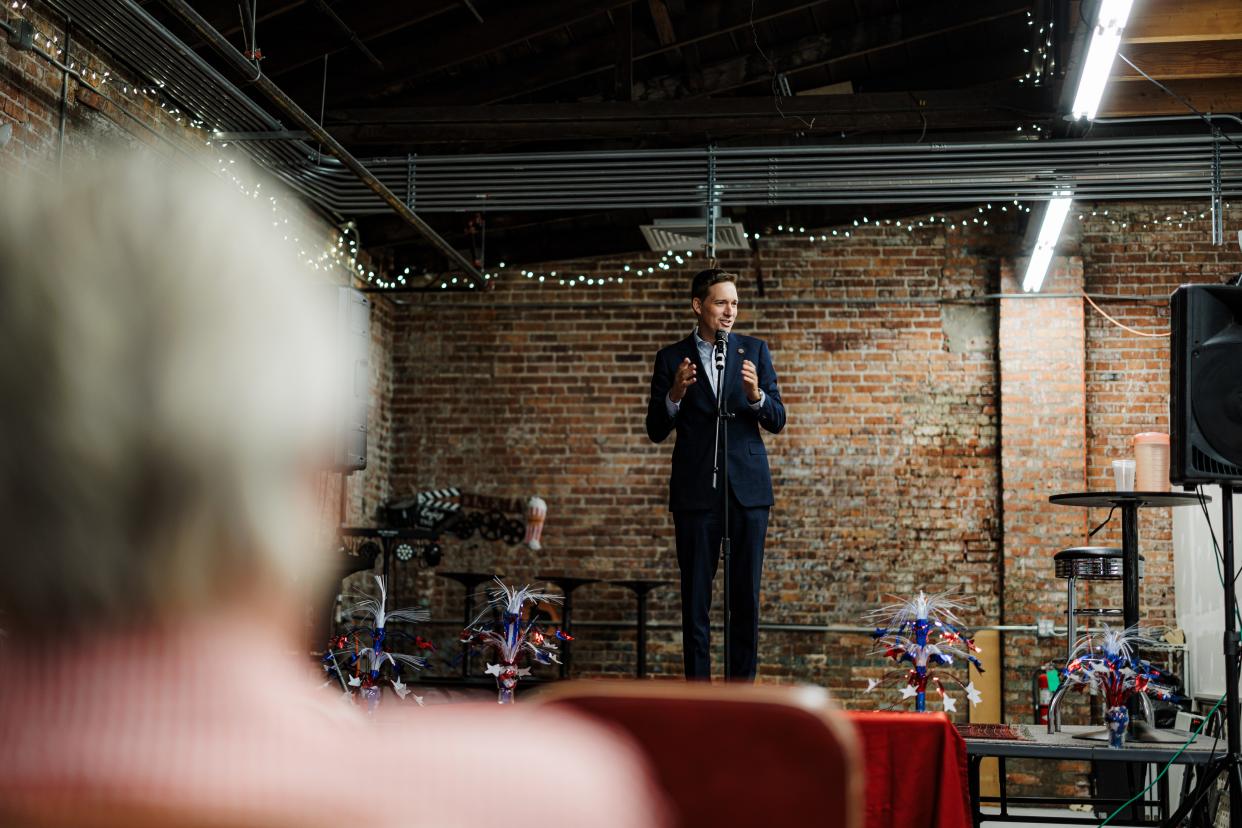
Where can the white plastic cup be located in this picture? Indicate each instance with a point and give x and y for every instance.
(1123, 475)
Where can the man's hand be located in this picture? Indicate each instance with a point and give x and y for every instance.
(684, 379)
(750, 380)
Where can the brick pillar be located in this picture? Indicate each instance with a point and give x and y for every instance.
(1043, 452)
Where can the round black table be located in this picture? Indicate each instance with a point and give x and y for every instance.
(471, 581)
(567, 585)
(641, 587)
(1129, 503)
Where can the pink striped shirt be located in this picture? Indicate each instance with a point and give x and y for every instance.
(214, 723)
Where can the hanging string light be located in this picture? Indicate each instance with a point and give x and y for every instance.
(1042, 60)
(985, 215)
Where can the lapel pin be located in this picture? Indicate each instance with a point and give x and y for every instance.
(741, 351)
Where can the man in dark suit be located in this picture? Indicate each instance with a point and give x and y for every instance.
(684, 397)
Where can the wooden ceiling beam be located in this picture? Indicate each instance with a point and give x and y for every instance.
(845, 43)
(589, 58)
(381, 20)
(502, 31)
(1184, 21)
(593, 56)
(662, 20)
(882, 111)
(229, 23)
(1136, 99)
(1181, 61)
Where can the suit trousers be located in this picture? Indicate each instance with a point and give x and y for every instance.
(698, 555)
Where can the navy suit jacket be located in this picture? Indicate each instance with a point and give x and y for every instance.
(749, 476)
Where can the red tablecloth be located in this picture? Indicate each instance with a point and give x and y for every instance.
(916, 770)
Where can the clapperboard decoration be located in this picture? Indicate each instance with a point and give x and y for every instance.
(463, 514)
(436, 508)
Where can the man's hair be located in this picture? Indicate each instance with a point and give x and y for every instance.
(704, 279)
(162, 358)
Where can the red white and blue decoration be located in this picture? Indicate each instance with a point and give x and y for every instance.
(513, 638)
(924, 635)
(1103, 664)
(359, 660)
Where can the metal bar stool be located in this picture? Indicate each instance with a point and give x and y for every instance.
(1086, 563)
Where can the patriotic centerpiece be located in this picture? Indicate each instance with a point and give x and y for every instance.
(1104, 664)
(513, 638)
(923, 634)
(358, 658)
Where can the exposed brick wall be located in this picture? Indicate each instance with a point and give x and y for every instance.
(886, 476)
(1043, 450)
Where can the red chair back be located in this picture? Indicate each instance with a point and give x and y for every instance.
(732, 755)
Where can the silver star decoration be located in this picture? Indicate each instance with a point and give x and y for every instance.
(950, 703)
(871, 685)
(909, 691)
(973, 694)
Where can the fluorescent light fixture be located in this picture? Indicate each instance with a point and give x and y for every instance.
(1049, 233)
(1105, 38)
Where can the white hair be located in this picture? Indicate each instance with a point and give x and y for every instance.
(164, 368)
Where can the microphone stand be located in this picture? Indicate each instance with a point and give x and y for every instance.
(722, 450)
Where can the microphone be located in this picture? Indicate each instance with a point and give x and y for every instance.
(721, 340)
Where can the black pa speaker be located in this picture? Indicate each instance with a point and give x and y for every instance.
(353, 329)
(1205, 388)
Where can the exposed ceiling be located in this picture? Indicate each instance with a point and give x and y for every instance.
(392, 78)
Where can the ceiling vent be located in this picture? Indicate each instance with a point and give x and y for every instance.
(691, 234)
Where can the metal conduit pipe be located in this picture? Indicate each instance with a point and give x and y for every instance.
(193, 83)
(963, 198)
(193, 19)
(1049, 151)
(1176, 173)
(431, 175)
(190, 79)
(64, 102)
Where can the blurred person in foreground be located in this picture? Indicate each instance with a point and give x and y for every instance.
(167, 406)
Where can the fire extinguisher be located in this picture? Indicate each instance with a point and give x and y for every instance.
(1045, 698)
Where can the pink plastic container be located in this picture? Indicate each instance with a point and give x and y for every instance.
(1151, 462)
